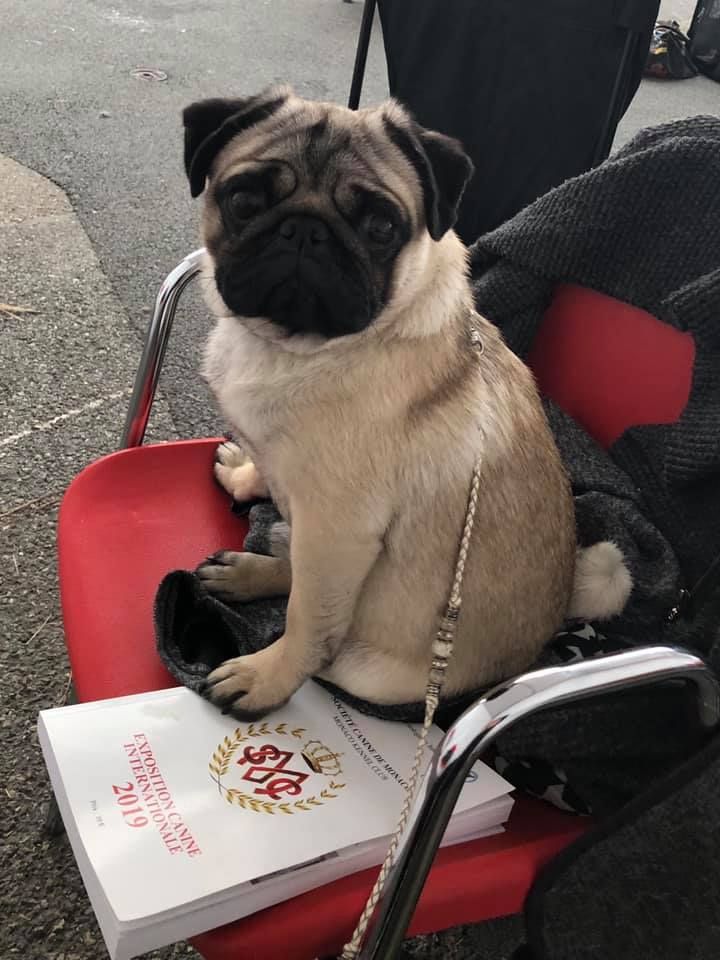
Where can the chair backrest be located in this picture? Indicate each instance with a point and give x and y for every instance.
(610, 365)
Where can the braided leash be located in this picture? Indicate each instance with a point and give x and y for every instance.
(442, 652)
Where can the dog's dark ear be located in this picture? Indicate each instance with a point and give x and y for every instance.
(442, 166)
(452, 170)
(210, 124)
(201, 120)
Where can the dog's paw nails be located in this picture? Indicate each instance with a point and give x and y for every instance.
(249, 687)
(222, 558)
(228, 681)
(237, 474)
(237, 690)
(229, 454)
(224, 575)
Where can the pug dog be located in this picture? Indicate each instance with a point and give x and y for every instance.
(361, 386)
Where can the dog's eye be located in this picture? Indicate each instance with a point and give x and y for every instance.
(380, 230)
(245, 204)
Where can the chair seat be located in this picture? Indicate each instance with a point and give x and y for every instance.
(125, 522)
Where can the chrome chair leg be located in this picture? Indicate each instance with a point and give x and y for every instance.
(473, 733)
(156, 341)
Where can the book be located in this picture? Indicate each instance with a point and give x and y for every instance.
(182, 819)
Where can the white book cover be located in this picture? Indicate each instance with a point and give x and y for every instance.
(172, 807)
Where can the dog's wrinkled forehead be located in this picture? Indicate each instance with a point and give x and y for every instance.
(328, 146)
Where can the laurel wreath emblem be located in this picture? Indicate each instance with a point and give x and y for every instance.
(220, 764)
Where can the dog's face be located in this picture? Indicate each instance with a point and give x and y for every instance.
(310, 206)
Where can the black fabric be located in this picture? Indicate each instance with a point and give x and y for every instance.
(700, 598)
(195, 632)
(523, 952)
(705, 38)
(527, 88)
(644, 884)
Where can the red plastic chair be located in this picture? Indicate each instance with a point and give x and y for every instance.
(119, 534)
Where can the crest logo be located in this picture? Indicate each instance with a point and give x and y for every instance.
(271, 770)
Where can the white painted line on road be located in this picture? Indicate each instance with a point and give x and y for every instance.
(62, 417)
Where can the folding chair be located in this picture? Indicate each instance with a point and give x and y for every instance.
(148, 509)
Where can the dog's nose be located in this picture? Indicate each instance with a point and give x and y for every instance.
(299, 231)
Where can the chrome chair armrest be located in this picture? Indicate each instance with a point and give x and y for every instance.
(156, 341)
(476, 730)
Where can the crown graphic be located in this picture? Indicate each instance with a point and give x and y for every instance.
(321, 759)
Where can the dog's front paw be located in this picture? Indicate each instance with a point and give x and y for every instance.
(244, 576)
(224, 575)
(237, 474)
(248, 687)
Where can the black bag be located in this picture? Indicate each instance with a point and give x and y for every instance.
(704, 36)
(669, 57)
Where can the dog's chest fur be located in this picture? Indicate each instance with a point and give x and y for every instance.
(286, 409)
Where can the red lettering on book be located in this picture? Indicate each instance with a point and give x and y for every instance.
(126, 798)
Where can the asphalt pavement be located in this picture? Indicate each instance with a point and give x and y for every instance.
(94, 210)
(71, 108)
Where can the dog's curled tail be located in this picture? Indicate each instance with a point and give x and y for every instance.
(602, 582)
